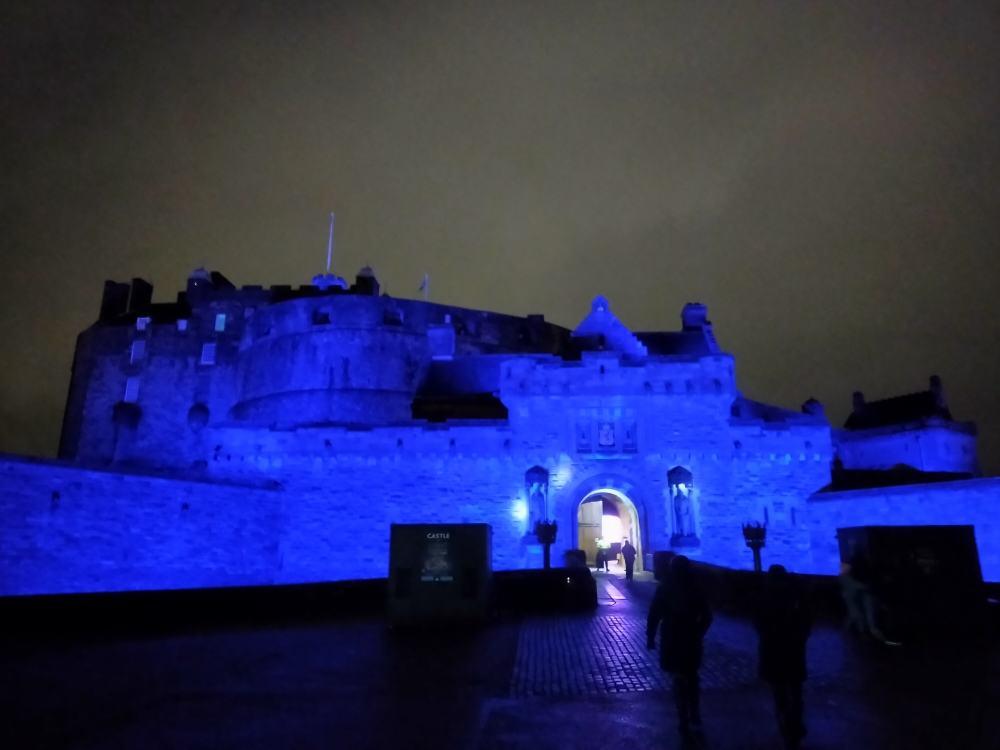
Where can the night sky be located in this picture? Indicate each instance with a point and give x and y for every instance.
(824, 176)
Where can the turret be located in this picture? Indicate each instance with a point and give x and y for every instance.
(141, 295)
(114, 302)
(814, 408)
(859, 401)
(365, 283)
(938, 390)
(694, 316)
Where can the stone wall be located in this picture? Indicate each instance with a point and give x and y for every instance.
(341, 487)
(66, 528)
(69, 529)
(336, 490)
(171, 379)
(973, 502)
(284, 355)
(946, 447)
(774, 473)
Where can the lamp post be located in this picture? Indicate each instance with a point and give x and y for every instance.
(755, 534)
(546, 533)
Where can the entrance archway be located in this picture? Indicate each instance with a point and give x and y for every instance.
(610, 515)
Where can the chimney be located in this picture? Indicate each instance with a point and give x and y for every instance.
(694, 316)
(814, 408)
(859, 401)
(142, 295)
(366, 283)
(114, 301)
(198, 280)
(536, 328)
(938, 390)
(441, 339)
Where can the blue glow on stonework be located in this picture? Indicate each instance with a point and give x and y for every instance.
(519, 510)
(562, 475)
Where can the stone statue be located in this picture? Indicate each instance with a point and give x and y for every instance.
(680, 483)
(682, 512)
(536, 487)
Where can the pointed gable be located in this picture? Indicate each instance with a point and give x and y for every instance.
(602, 325)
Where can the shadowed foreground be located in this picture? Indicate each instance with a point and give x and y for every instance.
(573, 681)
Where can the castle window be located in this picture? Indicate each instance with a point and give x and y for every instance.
(131, 390)
(767, 516)
(182, 324)
(321, 317)
(208, 354)
(138, 351)
(220, 322)
(630, 444)
(141, 323)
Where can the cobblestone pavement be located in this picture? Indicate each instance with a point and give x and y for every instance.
(606, 652)
(584, 682)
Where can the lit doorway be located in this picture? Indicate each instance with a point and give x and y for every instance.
(608, 518)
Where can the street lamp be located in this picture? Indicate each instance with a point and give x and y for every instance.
(546, 533)
(755, 534)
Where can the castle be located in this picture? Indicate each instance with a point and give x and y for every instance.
(259, 436)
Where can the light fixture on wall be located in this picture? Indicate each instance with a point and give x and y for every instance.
(519, 510)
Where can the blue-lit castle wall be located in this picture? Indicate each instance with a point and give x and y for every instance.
(272, 436)
(66, 528)
(973, 502)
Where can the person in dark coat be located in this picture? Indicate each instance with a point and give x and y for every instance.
(783, 623)
(601, 558)
(628, 554)
(681, 610)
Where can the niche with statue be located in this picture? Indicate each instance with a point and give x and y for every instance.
(536, 491)
(680, 486)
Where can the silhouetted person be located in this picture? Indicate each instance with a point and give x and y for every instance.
(783, 624)
(683, 610)
(601, 559)
(628, 554)
(855, 587)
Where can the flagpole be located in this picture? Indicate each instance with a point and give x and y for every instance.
(329, 247)
(427, 286)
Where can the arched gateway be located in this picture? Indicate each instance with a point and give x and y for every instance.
(620, 496)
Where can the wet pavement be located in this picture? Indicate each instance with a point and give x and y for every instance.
(580, 681)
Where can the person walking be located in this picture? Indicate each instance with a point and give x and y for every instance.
(783, 625)
(628, 555)
(860, 601)
(681, 611)
(604, 555)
